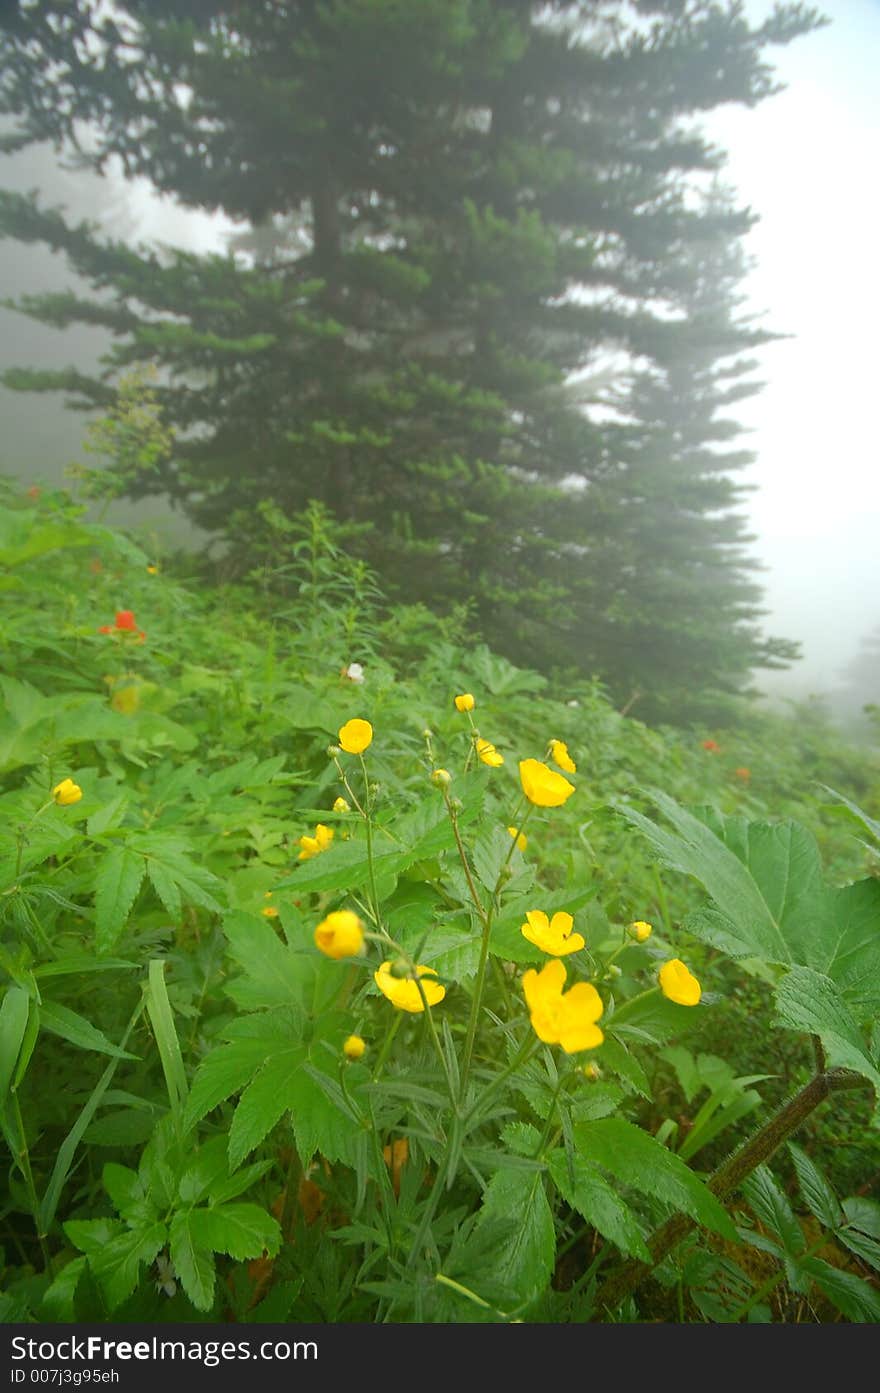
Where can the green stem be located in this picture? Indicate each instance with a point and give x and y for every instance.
(24, 1164)
(368, 819)
(519, 1058)
(387, 1043)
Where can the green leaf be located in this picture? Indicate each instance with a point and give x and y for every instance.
(810, 1002)
(770, 900)
(770, 1205)
(266, 1099)
(58, 1300)
(115, 1254)
(525, 1257)
(193, 1263)
(868, 1249)
(589, 1193)
(13, 1022)
(492, 851)
(850, 1294)
(125, 1188)
(636, 1159)
(116, 886)
(274, 975)
(70, 1025)
(818, 1194)
(223, 1072)
(162, 1021)
(241, 1230)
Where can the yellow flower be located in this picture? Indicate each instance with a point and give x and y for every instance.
(152, 570)
(126, 700)
(313, 846)
(354, 1047)
(552, 935)
(341, 934)
(519, 837)
(404, 992)
(465, 702)
(488, 754)
(441, 777)
(542, 786)
(562, 1018)
(340, 806)
(559, 755)
(640, 930)
(679, 984)
(270, 911)
(355, 736)
(66, 792)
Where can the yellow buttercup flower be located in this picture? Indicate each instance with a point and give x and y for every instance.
(519, 837)
(404, 992)
(355, 736)
(640, 930)
(313, 846)
(152, 570)
(66, 792)
(354, 1047)
(562, 1018)
(552, 935)
(559, 755)
(679, 984)
(340, 935)
(270, 911)
(340, 806)
(542, 786)
(465, 702)
(488, 754)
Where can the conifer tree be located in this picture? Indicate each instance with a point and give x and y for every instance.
(462, 203)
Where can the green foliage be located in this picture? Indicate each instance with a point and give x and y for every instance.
(189, 1133)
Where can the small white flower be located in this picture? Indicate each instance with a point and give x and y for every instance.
(354, 672)
(574, 702)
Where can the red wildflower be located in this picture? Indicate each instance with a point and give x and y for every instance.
(712, 746)
(743, 774)
(34, 491)
(125, 619)
(106, 629)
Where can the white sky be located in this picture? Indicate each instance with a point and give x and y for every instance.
(806, 161)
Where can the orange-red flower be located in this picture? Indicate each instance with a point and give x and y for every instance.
(712, 746)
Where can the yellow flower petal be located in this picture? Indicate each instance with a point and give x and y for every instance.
(640, 930)
(465, 702)
(519, 837)
(355, 736)
(488, 754)
(542, 786)
(562, 1018)
(404, 992)
(354, 1047)
(66, 792)
(679, 984)
(340, 806)
(559, 755)
(340, 935)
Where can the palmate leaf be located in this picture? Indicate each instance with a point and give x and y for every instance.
(588, 1191)
(117, 883)
(808, 1001)
(770, 900)
(635, 1159)
(524, 1257)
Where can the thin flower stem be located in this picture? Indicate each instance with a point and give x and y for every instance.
(368, 819)
(453, 817)
(562, 1078)
(627, 1008)
(387, 1043)
(24, 1164)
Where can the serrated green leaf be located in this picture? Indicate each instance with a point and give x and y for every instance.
(772, 1208)
(808, 1001)
(850, 1294)
(524, 1260)
(589, 1193)
(868, 1249)
(193, 1263)
(636, 1159)
(267, 1097)
(274, 975)
(241, 1230)
(117, 883)
(818, 1195)
(225, 1070)
(58, 1300)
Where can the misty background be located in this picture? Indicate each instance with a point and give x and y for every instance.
(801, 161)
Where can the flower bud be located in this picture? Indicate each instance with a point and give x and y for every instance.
(441, 777)
(592, 1072)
